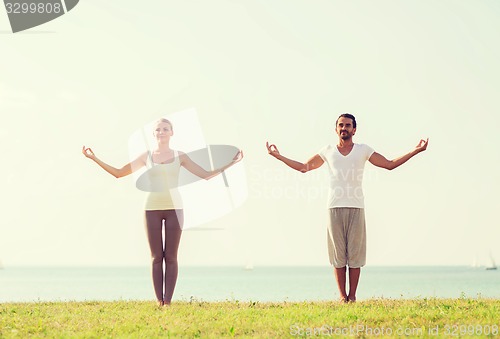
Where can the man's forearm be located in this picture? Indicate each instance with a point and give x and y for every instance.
(298, 166)
(401, 160)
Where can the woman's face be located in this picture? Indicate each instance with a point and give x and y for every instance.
(163, 131)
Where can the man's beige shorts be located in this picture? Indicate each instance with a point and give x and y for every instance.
(347, 237)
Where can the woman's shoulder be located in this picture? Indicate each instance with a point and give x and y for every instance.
(143, 156)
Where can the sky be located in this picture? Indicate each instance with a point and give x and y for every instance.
(254, 71)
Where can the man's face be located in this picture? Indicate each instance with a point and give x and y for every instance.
(345, 129)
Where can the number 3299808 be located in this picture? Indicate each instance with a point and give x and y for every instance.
(461, 330)
(40, 8)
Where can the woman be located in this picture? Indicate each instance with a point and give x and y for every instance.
(163, 206)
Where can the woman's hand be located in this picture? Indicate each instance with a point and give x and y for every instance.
(237, 157)
(88, 153)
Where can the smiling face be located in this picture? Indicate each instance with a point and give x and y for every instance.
(163, 131)
(345, 128)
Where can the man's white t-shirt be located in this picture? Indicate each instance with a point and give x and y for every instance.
(346, 175)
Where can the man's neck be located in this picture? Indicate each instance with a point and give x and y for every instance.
(345, 143)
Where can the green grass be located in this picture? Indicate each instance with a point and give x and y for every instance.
(132, 319)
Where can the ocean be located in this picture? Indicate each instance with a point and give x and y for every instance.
(263, 284)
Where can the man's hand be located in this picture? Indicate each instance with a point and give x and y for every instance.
(272, 149)
(88, 152)
(422, 145)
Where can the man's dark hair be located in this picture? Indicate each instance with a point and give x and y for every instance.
(347, 115)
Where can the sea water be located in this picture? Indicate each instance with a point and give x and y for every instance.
(24, 284)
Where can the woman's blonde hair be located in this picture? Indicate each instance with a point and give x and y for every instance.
(166, 121)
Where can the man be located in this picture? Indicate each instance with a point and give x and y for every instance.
(346, 230)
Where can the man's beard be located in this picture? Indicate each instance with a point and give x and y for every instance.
(345, 136)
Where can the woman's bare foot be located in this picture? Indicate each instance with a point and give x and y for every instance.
(351, 299)
(160, 303)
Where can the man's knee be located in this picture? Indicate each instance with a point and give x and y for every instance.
(356, 264)
(339, 264)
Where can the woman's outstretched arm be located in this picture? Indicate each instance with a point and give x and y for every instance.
(116, 172)
(197, 170)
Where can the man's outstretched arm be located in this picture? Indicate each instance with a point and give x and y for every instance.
(380, 161)
(313, 163)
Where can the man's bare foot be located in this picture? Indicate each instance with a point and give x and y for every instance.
(160, 303)
(351, 299)
(166, 303)
(344, 299)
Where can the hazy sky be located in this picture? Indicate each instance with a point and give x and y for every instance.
(254, 71)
